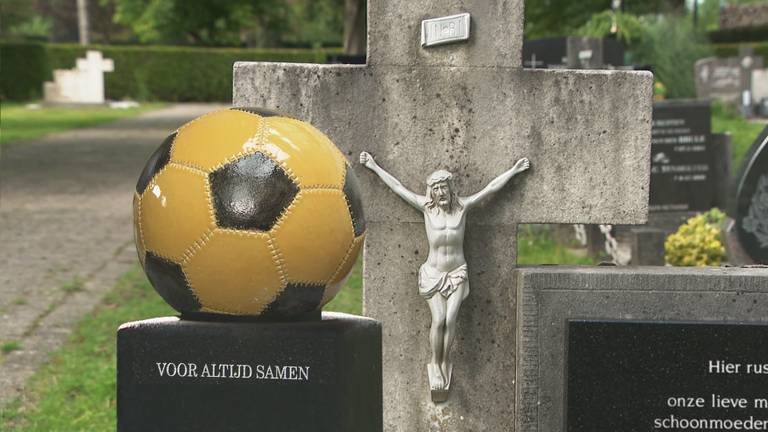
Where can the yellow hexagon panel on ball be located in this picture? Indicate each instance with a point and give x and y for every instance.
(247, 212)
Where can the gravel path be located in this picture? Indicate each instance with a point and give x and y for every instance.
(65, 215)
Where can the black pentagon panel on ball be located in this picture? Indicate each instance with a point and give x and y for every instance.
(263, 112)
(251, 193)
(297, 299)
(169, 281)
(354, 201)
(156, 162)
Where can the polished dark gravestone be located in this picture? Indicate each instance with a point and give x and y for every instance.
(682, 157)
(187, 375)
(666, 376)
(750, 210)
(608, 349)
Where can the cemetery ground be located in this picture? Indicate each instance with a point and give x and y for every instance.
(75, 390)
(64, 195)
(19, 123)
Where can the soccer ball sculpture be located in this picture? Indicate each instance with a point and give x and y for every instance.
(247, 212)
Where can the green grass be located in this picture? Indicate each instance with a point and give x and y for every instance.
(18, 123)
(743, 133)
(73, 286)
(10, 346)
(75, 391)
(536, 246)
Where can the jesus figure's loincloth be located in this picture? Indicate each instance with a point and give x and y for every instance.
(433, 281)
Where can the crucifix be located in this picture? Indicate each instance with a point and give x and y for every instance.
(469, 108)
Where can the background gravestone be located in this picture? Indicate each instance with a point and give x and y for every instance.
(470, 108)
(750, 211)
(602, 349)
(573, 53)
(726, 78)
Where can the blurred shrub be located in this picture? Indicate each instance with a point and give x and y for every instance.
(732, 49)
(671, 46)
(23, 68)
(144, 72)
(698, 242)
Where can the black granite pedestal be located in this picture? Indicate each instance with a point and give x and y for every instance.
(191, 375)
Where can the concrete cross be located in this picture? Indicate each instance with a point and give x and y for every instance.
(469, 108)
(90, 77)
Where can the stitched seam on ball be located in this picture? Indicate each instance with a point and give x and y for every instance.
(340, 160)
(196, 246)
(328, 187)
(143, 252)
(188, 165)
(195, 120)
(147, 249)
(343, 261)
(209, 200)
(191, 288)
(286, 212)
(278, 259)
(288, 171)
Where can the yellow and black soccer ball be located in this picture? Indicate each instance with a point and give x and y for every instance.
(248, 212)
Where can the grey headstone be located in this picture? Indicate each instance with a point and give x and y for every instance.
(725, 78)
(548, 297)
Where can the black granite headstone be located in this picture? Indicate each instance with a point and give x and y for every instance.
(652, 376)
(572, 52)
(202, 376)
(682, 157)
(751, 206)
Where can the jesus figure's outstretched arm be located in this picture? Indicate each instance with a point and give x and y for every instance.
(496, 184)
(412, 198)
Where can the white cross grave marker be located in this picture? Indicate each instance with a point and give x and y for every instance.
(470, 108)
(83, 84)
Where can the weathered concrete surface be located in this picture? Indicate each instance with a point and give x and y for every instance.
(496, 33)
(549, 296)
(589, 150)
(587, 133)
(467, 107)
(65, 213)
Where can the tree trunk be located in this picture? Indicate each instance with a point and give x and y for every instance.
(355, 29)
(84, 28)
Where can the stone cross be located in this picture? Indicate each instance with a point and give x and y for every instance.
(83, 84)
(471, 109)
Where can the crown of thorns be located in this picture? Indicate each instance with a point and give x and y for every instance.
(439, 176)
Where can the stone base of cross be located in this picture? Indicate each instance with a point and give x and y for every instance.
(471, 109)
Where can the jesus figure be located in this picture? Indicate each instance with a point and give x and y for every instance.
(443, 278)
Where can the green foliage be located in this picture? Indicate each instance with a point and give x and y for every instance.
(545, 18)
(535, 245)
(697, 242)
(24, 68)
(350, 298)
(320, 22)
(727, 119)
(671, 46)
(629, 28)
(142, 72)
(202, 22)
(21, 124)
(732, 49)
(10, 346)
